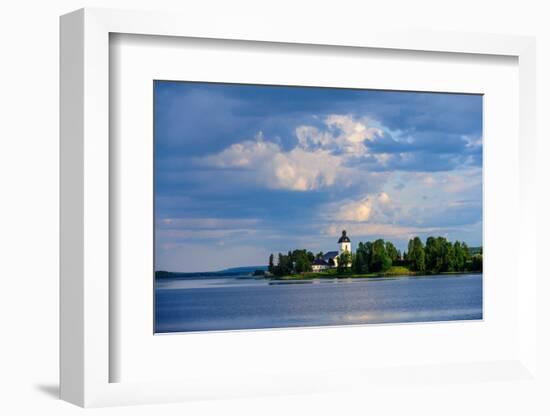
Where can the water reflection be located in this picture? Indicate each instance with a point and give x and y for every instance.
(245, 303)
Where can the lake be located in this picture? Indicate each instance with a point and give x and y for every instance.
(241, 302)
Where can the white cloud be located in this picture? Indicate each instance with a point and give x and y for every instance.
(299, 169)
(355, 211)
(343, 134)
(384, 198)
(376, 207)
(352, 130)
(309, 136)
(318, 160)
(247, 154)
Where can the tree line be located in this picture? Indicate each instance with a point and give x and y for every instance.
(374, 257)
(297, 261)
(439, 255)
(436, 255)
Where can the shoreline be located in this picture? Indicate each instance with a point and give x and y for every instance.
(321, 275)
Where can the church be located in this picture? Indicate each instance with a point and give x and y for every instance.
(330, 259)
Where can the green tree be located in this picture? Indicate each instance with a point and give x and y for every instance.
(271, 266)
(449, 257)
(380, 260)
(440, 255)
(477, 263)
(467, 253)
(344, 259)
(360, 265)
(301, 260)
(434, 254)
(419, 255)
(302, 265)
(416, 255)
(284, 265)
(392, 252)
(460, 260)
(368, 253)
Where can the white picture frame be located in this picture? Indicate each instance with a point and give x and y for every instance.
(86, 261)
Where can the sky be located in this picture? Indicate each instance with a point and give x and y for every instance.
(242, 171)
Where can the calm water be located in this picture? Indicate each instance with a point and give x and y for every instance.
(205, 304)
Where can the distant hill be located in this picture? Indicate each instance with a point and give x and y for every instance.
(234, 271)
(246, 269)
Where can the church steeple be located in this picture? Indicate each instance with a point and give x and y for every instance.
(345, 243)
(344, 238)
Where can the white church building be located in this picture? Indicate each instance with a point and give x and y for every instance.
(330, 259)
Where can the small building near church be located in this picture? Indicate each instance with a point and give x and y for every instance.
(319, 264)
(331, 258)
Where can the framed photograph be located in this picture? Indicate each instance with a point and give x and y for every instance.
(288, 206)
(262, 212)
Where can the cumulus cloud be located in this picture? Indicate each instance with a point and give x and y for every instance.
(352, 130)
(384, 198)
(323, 156)
(378, 215)
(310, 136)
(318, 160)
(298, 169)
(377, 207)
(247, 154)
(356, 211)
(340, 134)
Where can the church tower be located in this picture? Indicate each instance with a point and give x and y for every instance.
(344, 243)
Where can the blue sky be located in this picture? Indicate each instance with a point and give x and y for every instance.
(242, 171)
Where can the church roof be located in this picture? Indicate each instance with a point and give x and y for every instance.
(320, 262)
(344, 238)
(330, 255)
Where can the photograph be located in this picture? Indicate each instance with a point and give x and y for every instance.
(248, 208)
(279, 206)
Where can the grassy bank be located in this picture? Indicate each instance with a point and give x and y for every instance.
(334, 274)
(395, 271)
